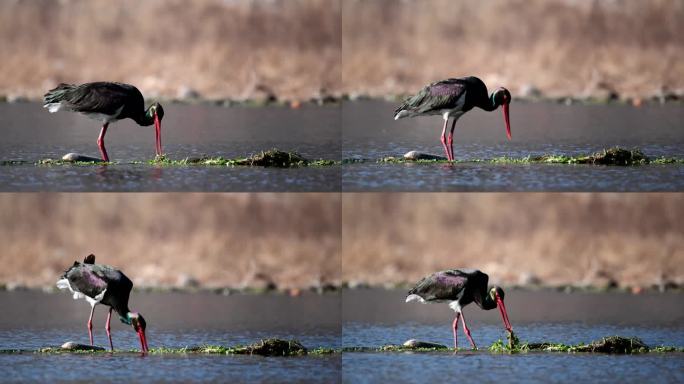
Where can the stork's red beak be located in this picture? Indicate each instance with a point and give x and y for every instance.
(143, 340)
(157, 128)
(508, 123)
(504, 314)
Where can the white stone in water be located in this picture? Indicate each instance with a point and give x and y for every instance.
(73, 346)
(415, 155)
(77, 157)
(413, 343)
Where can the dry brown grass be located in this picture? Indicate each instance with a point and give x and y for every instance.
(219, 239)
(561, 46)
(231, 48)
(635, 239)
(220, 48)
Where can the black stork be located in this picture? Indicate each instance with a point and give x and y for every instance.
(102, 284)
(106, 102)
(460, 287)
(452, 98)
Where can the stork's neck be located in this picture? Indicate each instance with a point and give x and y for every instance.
(488, 104)
(124, 315)
(485, 301)
(146, 118)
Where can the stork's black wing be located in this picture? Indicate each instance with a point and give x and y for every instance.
(443, 285)
(99, 97)
(437, 96)
(82, 278)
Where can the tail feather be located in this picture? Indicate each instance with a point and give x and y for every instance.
(401, 113)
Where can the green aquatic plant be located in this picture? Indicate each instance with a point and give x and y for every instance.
(667, 160)
(611, 156)
(322, 351)
(271, 158)
(279, 347)
(70, 162)
(615, 344)
(395, 348)
(610, 344)
(265, 347)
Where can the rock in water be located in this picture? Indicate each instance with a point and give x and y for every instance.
(415, 155)
(413, 343)
(275, 158)
(618, 156)
(615, 344)
(75, 157)
(274, 347)
(73, 346)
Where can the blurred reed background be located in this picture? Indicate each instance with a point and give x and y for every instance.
(296, 49)
(219, 48)
(597, 239)
(557, 47)
(171, 239)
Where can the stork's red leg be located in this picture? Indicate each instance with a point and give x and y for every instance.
(100, 142)
(90, 325)
(455, 327)
(467, 331)
(107, 327)
(443, 139)
(451, 140)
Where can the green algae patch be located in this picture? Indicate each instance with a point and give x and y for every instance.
(608, 345)
(273, 347)
(322, 351)
(605, 345)
(401, 160)
(69, 162)
(272, 158)
(396, 348)
(617, 156)
(265, 347)
(275, 158)
(211, 161)
(612, 156)
(667, 160)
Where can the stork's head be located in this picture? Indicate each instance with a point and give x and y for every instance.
(157, 109)
(497, 295)
(138, 323)
(501, 97)
(496, 290)
(154, 115)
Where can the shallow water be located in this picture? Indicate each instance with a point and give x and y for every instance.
(173, 320)
(538, 128)
(377, 317)
(30, 134)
